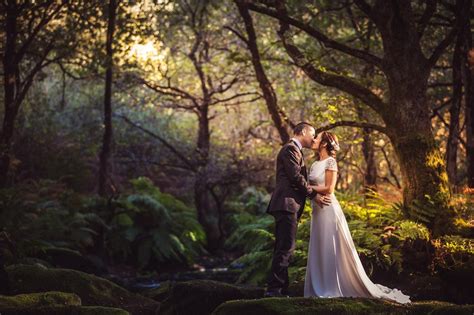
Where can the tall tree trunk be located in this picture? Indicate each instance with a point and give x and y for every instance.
(453, 142)
(280, 120)
(469, 104)
(370, 178)
(107, 138)
(10, 79)
(207, 217)
(370, 174)
(425, 184)
(426, 190)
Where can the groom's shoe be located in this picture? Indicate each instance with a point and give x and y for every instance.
(274, 293)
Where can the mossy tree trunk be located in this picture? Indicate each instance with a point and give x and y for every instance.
(407, 115)
(425, 184)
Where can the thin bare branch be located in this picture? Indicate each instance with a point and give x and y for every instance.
(347, 123)
(168, 145)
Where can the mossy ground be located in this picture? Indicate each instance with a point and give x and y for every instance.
(339, 306)
(192, 297)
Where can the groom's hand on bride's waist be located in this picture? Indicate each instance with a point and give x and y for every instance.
(323, 200)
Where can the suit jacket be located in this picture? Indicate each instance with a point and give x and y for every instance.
(292, 186)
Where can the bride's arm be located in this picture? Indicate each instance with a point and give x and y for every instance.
(330, 183)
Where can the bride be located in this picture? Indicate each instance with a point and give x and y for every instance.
(334, 268)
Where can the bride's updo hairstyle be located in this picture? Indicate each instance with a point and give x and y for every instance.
(329, 140)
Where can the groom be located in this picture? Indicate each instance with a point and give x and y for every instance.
(287, 204)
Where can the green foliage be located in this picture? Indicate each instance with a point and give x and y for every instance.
(367, 220)
(145, 226)
(377, 227)
(252, 200)
(253, 235)
(46, 214)
(419, 211)
(154, 227)
(411, 230)
(453, 252)
(464, 207)
(257, 265)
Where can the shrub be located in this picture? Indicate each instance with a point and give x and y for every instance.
(152, 226)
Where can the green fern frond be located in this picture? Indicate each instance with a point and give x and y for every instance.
(158, 213)
(256, 267)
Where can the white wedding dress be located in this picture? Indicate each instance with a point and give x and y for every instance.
(334, 268)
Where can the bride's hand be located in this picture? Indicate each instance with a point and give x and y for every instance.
(323, 200)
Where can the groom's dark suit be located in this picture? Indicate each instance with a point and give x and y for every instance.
(286, 205)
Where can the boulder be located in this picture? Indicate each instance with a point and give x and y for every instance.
(159, 294)
(71, 259)
(92, 290)
(67, 310)
(51, 303)
(203, 296)
(39, 299)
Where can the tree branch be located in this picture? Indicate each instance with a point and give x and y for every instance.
(230, 98)
(315, 33)
(427, 14)
(366, 8)
(170, 91)
(170, 147)
(462, 15)
(279, 118)
(458, 136)
(42, 23)
(333, 80)
(357, 124)
(390, 167)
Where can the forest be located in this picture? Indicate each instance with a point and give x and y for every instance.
(139, 140)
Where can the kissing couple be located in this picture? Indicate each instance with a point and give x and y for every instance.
(333, 268)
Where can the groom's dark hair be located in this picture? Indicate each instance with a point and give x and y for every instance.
(298, 129)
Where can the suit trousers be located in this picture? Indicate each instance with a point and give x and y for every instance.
(285, 238)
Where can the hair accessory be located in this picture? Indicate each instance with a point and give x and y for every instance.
(335, 145)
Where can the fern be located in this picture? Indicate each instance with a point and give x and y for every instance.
(257, 266)
(411, 230)
(47, 214)
(157, 226)
(254, 236)
(252, 200)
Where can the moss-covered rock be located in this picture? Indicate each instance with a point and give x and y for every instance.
(91, 289)
(60, 303)
(159, 294)
(66, 310)
(339, 306)
(203, 296)
(38, 299)
(70, 259)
